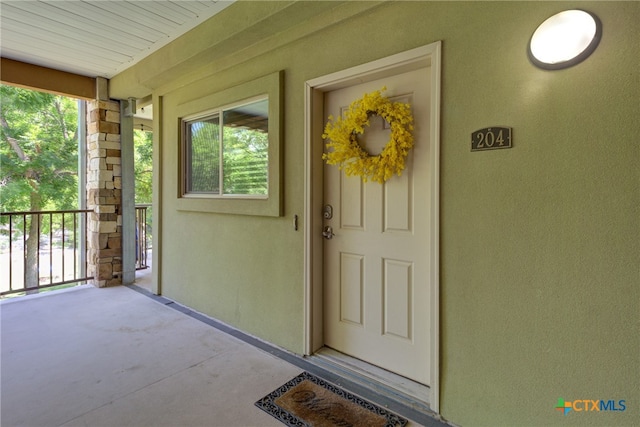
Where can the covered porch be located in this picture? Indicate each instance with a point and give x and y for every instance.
(121, 356)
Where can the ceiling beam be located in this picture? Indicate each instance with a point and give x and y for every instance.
(43, 79)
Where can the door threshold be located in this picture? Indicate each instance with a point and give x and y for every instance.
(388, 384)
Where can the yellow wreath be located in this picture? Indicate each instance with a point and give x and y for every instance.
(347, 152)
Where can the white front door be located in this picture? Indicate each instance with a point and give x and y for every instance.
(377, 275)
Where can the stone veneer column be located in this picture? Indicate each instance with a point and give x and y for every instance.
(104, 193)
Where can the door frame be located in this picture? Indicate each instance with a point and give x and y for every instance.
(424, 56)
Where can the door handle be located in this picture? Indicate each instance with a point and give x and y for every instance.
(327, 233)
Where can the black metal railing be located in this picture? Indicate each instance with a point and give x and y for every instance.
(143, 235)
(42, 249)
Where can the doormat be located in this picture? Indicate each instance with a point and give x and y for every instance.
(307, 400)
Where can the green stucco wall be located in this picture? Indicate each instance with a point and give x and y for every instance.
(540, 253)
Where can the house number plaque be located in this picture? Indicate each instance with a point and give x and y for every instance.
(491, 138)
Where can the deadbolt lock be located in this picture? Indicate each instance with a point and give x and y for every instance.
(327, 212)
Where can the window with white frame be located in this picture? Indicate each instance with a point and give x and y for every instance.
(226, 151)
(230, 148)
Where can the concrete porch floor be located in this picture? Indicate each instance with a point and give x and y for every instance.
(117, 357)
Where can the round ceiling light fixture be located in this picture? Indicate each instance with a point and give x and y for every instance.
(565, 39)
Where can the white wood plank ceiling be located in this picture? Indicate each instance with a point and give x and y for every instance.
(96, 38)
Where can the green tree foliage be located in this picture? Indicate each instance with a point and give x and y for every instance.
(143, 165)
(204, 153)
(38, 159)
(39, 150)
(245, 161)
(244, 164)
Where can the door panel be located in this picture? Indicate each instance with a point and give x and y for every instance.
(351, 203)
(398, 296)
(399, 192)
(376, 267)
(351, 288)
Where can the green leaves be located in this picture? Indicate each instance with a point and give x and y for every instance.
(38, 150)
(143, 164)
